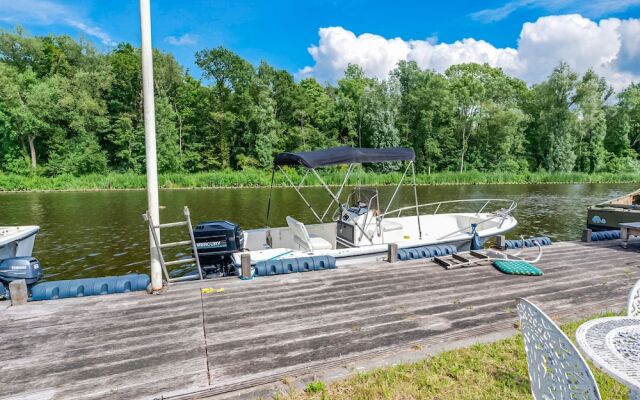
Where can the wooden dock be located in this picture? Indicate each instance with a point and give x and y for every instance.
(185, 344)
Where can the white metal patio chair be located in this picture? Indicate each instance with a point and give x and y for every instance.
(633, 305)
(556, 368)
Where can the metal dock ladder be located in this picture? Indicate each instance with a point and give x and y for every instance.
(159, 246)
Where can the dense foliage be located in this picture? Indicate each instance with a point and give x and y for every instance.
(66, 108)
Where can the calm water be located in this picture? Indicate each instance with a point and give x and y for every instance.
(87, 234)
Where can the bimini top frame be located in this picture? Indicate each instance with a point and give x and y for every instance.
(343, 156)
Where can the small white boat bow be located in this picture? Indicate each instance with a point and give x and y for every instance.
(17, 241)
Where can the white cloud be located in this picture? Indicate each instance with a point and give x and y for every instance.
(442, 55)
(185, 40)
(611, 47)
(34, 11)
(593, 8)
(45, 12)
(339, 47)
(604, 7)
(500, 13)
(94, 31)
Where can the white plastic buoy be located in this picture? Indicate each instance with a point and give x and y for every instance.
(150, 137)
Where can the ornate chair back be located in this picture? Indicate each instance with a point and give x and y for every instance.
(633, 306)
(556, 368)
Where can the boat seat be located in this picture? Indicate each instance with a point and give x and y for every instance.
(390, 226)
(302, 238)
(319, 243)
(385, 226)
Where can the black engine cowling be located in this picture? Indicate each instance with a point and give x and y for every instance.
(216, 241)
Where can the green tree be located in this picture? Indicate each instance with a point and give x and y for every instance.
(350, 104)
(20, 50)
(468, 92)
(196, 126)
(27, 106)
(380, 103)
(315, 117)
(551, 134)
(489, 116)
(233, 78)
(167, 136)
(592, 93)
(80, 118)
(124, 142)
(265, 120)
(623, 124)
(426, 113)
(67, 108)
(500, 142)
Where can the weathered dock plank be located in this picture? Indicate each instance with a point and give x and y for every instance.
(94, 347)
(185, 344)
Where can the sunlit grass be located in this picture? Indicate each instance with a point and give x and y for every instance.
(262, 178)
(485, 371)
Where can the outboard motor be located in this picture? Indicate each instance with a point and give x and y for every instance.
(216, 241)
(11, 269)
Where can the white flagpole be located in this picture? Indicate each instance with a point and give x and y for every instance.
(150, 137)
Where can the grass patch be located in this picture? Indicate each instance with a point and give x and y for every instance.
(315, 387)
(262, 178)
(485, 371)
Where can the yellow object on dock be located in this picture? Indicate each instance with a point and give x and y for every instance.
(209, 290)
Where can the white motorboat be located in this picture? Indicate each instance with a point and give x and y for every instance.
(16, 245)
(17, 241)
(359, 229)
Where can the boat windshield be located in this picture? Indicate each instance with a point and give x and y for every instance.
(364, 198)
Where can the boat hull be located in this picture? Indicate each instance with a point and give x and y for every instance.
(17, 241)
(604, 219)
(432, 235)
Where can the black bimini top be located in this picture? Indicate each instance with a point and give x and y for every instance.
(344, 155)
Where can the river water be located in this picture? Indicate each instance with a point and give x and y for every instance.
(90, 234)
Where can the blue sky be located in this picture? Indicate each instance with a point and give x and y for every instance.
(281, 32)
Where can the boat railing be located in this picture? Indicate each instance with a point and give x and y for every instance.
(502, 208)
(620, 206)
(499, 206)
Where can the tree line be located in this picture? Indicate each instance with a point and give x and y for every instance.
(67, 108)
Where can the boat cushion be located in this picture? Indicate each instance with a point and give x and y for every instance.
(303, 239)
(300, 234)
(389, 226)
(318, 243)
(515, 267)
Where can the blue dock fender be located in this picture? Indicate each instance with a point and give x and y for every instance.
(416, 253)
(89, 287)
(605, 235)
(292, 265)
(305, 264)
